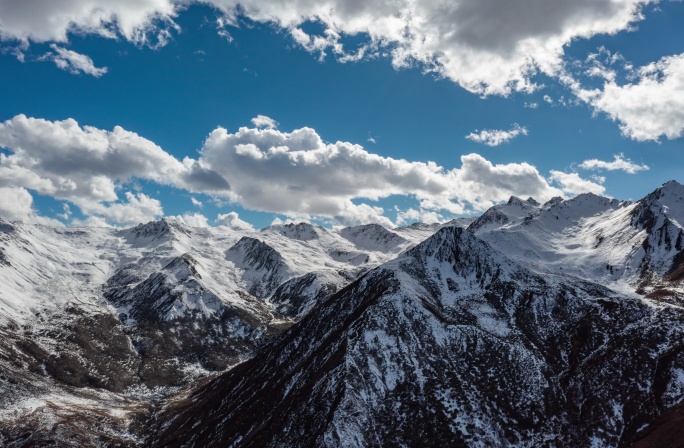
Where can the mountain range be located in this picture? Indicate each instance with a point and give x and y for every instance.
(555, 324)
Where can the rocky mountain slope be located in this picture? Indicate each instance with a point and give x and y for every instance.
(136, 313)
(632, 247)
(452, 344)
(556, 324)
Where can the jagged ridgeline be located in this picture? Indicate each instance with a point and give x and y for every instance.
(556, 324)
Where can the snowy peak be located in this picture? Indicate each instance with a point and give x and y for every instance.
(441, 347)
(568, 212)
(420, 231)
(516, 201)
(661, 216)
(666, 202)
(498, 216)
(455, 246)
(174, 292)
(373, 237)
(6, 226)
(572, 211)
(155, 232)
(264, 269)
(456, 261)
(182, 268)
(301, 231)
(629, 246)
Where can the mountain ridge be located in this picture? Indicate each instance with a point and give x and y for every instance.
(133, 316)
(366, 333)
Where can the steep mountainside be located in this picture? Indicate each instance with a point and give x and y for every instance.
(135, 313)
(451, 344)
(633, 247)
(556, 324)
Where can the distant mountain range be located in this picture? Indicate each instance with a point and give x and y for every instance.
(556, 324)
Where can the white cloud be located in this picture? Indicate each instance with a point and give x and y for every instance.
(354, 215)
(73, 62)
(138, 208)
(86, 166)
(295, 174)
(67, 212)
(482, 184)
(67, 161)
(411, 215)
(619, 163)
(277, 221)
(49, 21)
(572, 184)
(493, 137)
(191, 219)
(262, 121)
(648, 109)
(298, 175)
(233, 221)
(90, 221)
(196, 202)
(486, 46)
(17, 205)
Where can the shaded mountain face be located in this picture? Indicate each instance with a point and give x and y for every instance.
(452, 344)
(372, 237)
(97, 324)
(498, 335)
(263, 267)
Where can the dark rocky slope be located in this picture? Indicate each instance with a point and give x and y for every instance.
(452, 344)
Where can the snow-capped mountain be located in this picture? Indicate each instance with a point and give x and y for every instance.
(539, 324)
(451, 344)
(127, 312)
(632, 247)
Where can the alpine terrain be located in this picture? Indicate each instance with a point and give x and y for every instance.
(557, 324)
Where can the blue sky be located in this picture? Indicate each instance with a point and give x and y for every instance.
(437, 118)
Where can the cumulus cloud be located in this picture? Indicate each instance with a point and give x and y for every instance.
(619, 163)
(572, 184)
(295, 174)
(17, 205)
(67, 161)
(486, 46)
(66, 214)
(648, 109)
(191, 219)
(262, 121)
(138, 208)
(298, 175)
(73, 62)
(233, 221)
(411, 215)
(196, 203)
(482, 184)
(86, 166)
(49, 21)
(493, 137)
